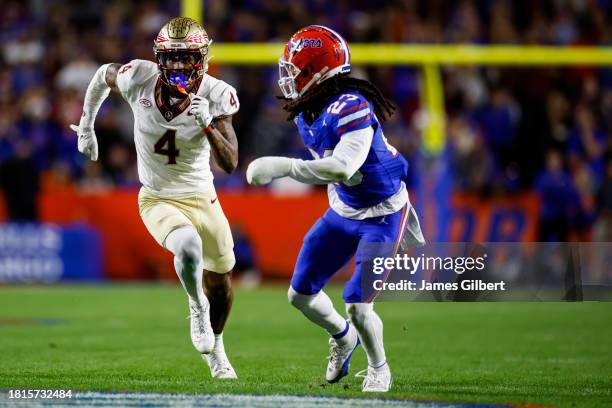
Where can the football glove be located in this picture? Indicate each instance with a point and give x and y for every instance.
(200, 109)
(87, 142)
(265, 169)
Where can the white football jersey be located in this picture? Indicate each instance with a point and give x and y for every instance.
(173, 152)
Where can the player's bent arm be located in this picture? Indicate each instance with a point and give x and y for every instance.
(98, 89)
(111, 76)
(223, 143)
(348, 156)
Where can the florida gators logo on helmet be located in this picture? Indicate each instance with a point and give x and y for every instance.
(312, 55)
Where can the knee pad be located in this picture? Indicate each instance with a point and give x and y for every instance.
(358, 312)
(297, 299)
(190, 251)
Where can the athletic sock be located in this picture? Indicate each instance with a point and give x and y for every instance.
(219, 346)
(186, 245)
(370, 329)
(191, 280)
(319, 309)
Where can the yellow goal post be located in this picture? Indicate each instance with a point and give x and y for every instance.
(428, 57)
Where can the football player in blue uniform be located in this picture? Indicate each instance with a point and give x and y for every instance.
(338, 119)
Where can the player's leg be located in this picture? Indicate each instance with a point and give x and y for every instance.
(172, 229)
(369, 325)
(325, 250)
(221, 296)
(186, 245)
(327, 247)
(219, 292)
(218, 249)
(385, 233)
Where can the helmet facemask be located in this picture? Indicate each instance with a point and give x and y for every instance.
(288, 77)
(287, 73)
(181, 67)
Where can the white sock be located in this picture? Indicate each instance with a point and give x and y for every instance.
(319, 309)
(219, 346)
(186, 245)
(370, 329)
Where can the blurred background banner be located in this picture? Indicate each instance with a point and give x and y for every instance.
(130, 253)
(46, 253)
(504, 113)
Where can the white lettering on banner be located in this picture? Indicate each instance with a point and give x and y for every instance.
(28, 238)
(28, 269)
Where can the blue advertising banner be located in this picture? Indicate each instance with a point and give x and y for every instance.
(46, 253)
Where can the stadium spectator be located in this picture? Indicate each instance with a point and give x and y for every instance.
(19, 181)
(602, 230)
(246, 263)
(558, 199)
(501, 122)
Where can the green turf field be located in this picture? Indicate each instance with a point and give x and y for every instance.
(135, 338)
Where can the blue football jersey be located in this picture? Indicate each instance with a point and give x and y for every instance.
(384, 167)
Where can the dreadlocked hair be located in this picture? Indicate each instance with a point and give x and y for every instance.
(313, 102)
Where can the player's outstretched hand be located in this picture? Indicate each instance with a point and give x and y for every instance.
(200, 109)
(87, 144)
(265, 169)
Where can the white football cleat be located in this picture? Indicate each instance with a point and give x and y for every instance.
(377, 379)
(220, 366)
(340, 355)
(202, 335)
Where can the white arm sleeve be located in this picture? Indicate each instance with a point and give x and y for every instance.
(348, 156)
(97, 91)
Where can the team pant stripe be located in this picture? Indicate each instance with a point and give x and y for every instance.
(400, 235)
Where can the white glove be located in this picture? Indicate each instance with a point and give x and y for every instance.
(87, 144)
(200, 109)
(265, 169)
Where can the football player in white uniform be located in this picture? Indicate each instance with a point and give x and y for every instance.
(181, 114)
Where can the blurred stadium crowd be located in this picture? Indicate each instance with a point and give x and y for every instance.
(508, 129)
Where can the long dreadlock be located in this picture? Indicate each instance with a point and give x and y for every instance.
(313, 102)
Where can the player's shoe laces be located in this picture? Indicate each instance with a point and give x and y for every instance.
(220, 366)
(376, 379)
(202, 335)
(340, 355)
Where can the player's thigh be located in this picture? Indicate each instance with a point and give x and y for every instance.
(378, 238)
(160, 216)
(327, 247)
(216, 234)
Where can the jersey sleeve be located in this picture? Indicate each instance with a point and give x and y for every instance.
(224, 100)
(350, 112)
(132, 75)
